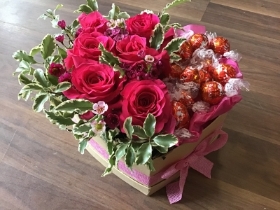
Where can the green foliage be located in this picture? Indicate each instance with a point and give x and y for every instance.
(82, 146)
(144, 153)
(63, 86)
(62, 52)
(48, 46)
(76, 105)
(138, 150)
(174, 45)
(23, 79)
(35, 50)
(39, 102)
(84, 8)
(173, 4)
(128, 128)
(32, 87)
(174, 57)
(21, 55)
(165, 140)
(139, 132)
(92, 4)
(121, 151)
(149, 125)
(164, 19)
(158, 36)
(123, 15)
(40, 78)
(114, 12)
(57, 119)
(130, 156)
(82, 129)
(162, 150)
(150, 165)
(107, 57)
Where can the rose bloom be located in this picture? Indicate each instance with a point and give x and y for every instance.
(147, 96)
(86, 46)
(131, 44)
(142, 25)
(95, 82)
(93, 21)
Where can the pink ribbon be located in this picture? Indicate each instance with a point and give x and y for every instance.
(189, 30)
(195, 160)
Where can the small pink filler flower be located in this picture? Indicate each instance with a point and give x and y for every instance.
(62, 24)
(100, 107)
(59, 38)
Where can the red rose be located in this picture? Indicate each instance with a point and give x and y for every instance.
(130, 44)
(95, 82)
(129, 47)
(142, 25)
(147, 96)
(93, 21)
(86, 46)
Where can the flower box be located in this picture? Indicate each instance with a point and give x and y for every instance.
(146, 97)
(140, 177)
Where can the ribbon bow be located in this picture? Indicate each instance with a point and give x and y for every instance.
(195, 160)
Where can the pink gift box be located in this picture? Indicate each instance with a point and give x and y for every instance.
(148, 182)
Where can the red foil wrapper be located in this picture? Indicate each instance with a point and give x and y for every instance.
(223, 73)
(186, 99)
(186, 51)
(190, 75)
(204, 76)
(181, 114)
(212, 92)
(199, 40)
(176, 70)
(220, 45)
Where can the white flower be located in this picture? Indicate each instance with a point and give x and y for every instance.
(98, 127)
(100, 107)
(76, 118)
(147, 11)
(149, 58)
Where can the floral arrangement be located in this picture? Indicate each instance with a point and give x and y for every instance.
(143, 84)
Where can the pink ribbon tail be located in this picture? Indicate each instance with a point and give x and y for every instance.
(175, 190)
(197, 161)
(203, 166)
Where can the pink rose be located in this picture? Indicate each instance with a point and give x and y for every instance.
(95, 82)
(142, 25)
(86, 46)
(148, 96)
(93, 21)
